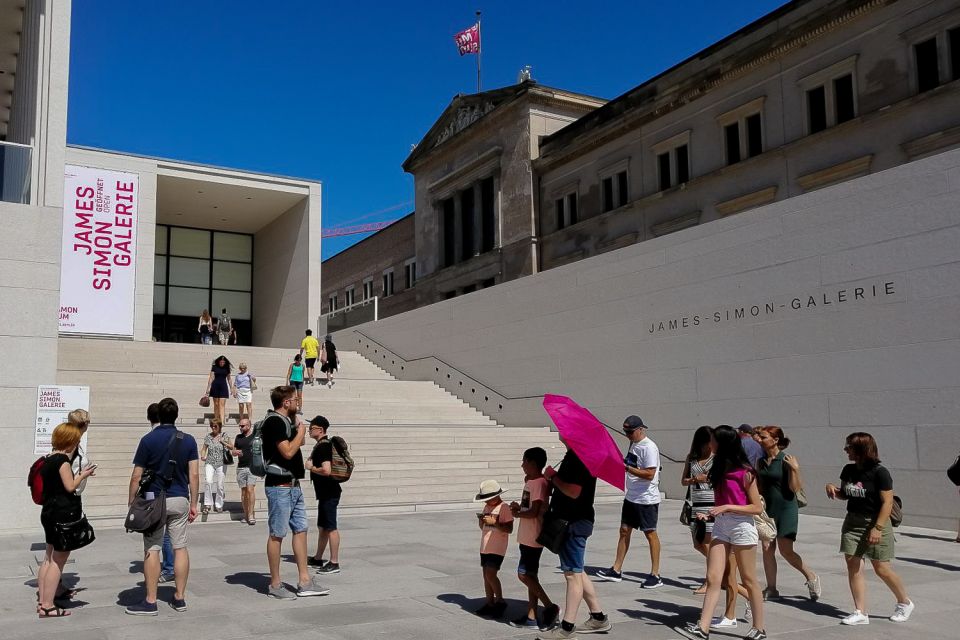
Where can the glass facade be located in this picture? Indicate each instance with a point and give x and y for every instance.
(197, 269)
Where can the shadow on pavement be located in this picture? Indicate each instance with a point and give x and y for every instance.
(470, 605)
(818, 608)
(936, 564)
(924, 536)
(662, 613)
(259, 582)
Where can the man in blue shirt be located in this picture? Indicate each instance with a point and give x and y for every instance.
(166, 446)
(750, 446)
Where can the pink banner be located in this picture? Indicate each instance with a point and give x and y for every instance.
(468, 40)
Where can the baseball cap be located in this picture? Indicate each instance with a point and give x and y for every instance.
(745, 428)
(632, 423)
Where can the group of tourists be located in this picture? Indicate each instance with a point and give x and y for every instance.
(221, 327)
(743, 492)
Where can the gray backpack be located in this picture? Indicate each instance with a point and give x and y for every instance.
(258, 465)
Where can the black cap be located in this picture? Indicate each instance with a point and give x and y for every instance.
(320, 421)
(632, 423)
(745, 428)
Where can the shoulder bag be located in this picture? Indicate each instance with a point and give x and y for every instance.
(766, 527)
(146, 514)
(70, 536)
(227, 454)
(554, 531)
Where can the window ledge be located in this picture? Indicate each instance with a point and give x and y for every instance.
(747, 201)
(836, 173)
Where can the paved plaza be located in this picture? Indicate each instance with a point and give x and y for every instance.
(417, 576)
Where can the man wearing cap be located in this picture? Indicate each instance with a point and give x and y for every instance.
(328, 491)
(641, 502)
(750, 446)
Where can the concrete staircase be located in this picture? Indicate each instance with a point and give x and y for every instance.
(417, 447)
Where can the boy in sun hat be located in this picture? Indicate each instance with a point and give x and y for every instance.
(496, 525)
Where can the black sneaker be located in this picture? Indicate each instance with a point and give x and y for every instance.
(549, 618)
(142, 608)
(330, 567)
(693, 631)
(652, 582)
(523, 622)
(313, 562)
(610, 575)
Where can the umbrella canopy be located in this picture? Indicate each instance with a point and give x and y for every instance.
(588, 438)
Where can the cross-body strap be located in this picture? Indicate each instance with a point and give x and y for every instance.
(175, 441)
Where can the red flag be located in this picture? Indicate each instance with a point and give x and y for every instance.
(468, 40)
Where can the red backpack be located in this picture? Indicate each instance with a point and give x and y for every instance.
(35, 480)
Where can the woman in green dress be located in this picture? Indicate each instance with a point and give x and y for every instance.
(779, 478)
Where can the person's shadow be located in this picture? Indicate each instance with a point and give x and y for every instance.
(818, 608)
(259, 582)
(470, 605)
(658, 612)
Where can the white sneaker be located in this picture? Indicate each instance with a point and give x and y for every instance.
(857, 617)
(902, 612)
(748, 614)
(723, 623)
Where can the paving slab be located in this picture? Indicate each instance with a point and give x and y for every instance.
(416, 576)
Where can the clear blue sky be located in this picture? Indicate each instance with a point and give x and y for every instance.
(338, 92)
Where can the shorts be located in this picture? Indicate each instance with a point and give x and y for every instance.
(177, 511)
(286, 511)
(735, 529)
(529, 560)
(327, 513)
(244, 395)
(639, 516)
(491, 561)
(311, 362)
(855, 538)
(245, 478)
(575, 546)
(297, 385)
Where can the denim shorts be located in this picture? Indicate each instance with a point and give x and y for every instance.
(529, 564)
(571, 555)
(286, 511)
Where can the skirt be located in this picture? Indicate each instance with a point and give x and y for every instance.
(244, 395)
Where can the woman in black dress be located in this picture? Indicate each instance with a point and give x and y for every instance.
(60, 504)
(220, 387)
(329, 362)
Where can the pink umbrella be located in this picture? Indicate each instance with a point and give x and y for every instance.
(588, 438)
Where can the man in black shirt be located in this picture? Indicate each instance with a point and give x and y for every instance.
(282, 433)
(328, 493)
(246, 480)
(574, 488)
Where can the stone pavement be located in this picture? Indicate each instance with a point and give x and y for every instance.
(417, 576)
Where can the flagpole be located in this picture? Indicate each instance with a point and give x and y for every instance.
(479, 50)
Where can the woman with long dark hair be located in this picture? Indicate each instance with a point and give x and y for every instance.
(220, 386)
(695, 477)
(737, 500)
(779, 477)
(867, 487)
(329, 362)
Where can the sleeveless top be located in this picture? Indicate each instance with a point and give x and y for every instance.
(732, 489)
(296, 373)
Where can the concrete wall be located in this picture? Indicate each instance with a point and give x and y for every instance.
(873, 266)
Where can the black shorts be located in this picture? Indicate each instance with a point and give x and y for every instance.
(529, 564)
(311, 362)
(639, 516)
(491, 560)
(327, 513)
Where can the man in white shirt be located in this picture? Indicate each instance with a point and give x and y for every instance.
(641, 503)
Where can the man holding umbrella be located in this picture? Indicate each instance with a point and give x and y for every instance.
(574, 488)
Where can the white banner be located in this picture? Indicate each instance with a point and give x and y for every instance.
(54, 402)
(99, 256)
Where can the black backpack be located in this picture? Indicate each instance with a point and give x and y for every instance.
(954, 472)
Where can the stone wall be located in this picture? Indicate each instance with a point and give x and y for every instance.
(831, 312)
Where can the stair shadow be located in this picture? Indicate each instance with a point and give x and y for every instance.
(673, 614)
(936, 564)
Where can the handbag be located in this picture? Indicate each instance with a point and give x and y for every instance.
(205, 401)
(766, 527)
(801, 498)
(70, 536)
(227, 455)
(146, 514)
(554, 532)
(686, 511)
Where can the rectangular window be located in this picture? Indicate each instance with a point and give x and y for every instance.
(388, 283)
(663, 166)
(607, 187)
(449, 232)
(731, 135)
(488, 216)
(817, 109)
(466, 224)
(332, 303)
(565, 208)
(683, 164)
(843, 98)
(754, 136)
(572, 214)
(928, 67)
(368, 289)
(953, 41)
(349, 297)
(623, 195)
(561, 217)
(410, 274)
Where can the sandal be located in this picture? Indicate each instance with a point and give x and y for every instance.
(52, 612)
(701, 590)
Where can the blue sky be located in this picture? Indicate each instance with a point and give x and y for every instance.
(338, 92)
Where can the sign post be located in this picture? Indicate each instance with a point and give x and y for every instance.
(54, 402)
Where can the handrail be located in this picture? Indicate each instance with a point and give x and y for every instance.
(482, 384)
(16, 144)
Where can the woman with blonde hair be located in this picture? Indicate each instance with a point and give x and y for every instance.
(212, 455)
(205, 328)
(64, 526)
(244, 383)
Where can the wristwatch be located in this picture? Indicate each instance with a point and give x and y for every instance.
(878, 527)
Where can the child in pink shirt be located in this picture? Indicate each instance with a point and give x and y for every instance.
(529, 512)
(496, 525)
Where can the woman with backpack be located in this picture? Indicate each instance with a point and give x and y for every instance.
(64, 526)
(780, 484)
(867, 532)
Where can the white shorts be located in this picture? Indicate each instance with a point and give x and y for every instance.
(244, 395)
(735, 529)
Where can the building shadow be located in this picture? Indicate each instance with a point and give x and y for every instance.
(259, 582)
(925, 536)
(470, 605)
(936, 564)
(659, 612)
